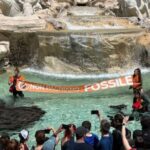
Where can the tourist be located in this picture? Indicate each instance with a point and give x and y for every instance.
(53, 140)
(4, 139)
(106, 141)
(13, 144)
(68, 138)
(24, 136)
(90, 138)
(137, 81)
(40, 139)
(13, 81)
(117, 138)
(80, 143)
(124, 139)
(142, 139)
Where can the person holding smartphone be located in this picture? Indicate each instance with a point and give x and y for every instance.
(68, 138)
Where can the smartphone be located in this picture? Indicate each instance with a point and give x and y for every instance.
(65, 126)
(94, 112)
(47, 131)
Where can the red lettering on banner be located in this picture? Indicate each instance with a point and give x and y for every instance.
(112, 83)
(104, 85)
(87, 88)
(117, 83)
(96, 87)
(122, 82)
(129, 80)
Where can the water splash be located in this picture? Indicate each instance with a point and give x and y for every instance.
(71, 26)
(83, 76)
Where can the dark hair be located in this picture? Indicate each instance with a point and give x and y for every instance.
(78, 136)
(139, 73)
(118, 119)
(68, 133)
(12, 145)
(138, 139)
(145, 122)
(4, 140)
(40, 137)
(105, 126)
(73, 126)
(87, 125)
(22, 140)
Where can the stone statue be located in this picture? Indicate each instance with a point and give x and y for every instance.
(17, 7)
(9, 8)
(137, 8)
(27, 6)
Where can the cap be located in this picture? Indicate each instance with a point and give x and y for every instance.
(81, 131)
(24, 133)
(105, 125)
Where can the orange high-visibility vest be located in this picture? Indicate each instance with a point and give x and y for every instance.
(12, 78)
(136, 82)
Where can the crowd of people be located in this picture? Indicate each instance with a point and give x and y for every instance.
(81, 138)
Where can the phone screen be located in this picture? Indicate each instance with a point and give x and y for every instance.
(94, 112)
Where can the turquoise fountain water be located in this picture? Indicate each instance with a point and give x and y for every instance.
(70, 108)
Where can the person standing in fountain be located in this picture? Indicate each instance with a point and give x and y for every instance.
(13, 81)
(137, 81)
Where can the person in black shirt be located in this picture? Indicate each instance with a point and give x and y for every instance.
(80, 144)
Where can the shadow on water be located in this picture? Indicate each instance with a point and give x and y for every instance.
(13, 118)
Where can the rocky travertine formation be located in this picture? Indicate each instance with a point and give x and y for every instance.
(29, 7)
(139, 8)
(124, 8)
(4, 49)
(30, 29)
(94, 52)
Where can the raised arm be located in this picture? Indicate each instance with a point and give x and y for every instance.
(124, 139)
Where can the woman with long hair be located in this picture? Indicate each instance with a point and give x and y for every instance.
(68, 137)
(137, 81)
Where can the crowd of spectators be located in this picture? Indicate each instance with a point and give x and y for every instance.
(81, 138)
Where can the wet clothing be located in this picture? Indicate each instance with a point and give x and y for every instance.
(106, 143)
(12, 89)
(137, 83)
(137, 105)
(92, 140)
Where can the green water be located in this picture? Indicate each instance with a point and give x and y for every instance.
(70, 108)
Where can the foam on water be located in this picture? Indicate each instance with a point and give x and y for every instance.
(83, 76)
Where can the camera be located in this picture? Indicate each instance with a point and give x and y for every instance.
(117, 120)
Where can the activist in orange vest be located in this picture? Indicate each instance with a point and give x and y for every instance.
(13, 81)
(137, 81)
